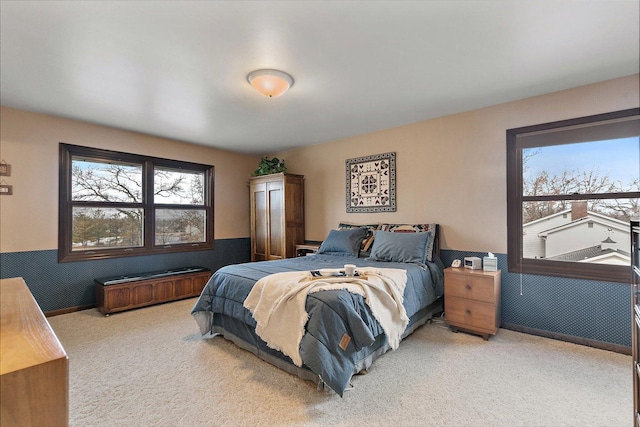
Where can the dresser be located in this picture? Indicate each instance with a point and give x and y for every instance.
(472, 300)
(635, 318)
(277, 215)
(34, 368)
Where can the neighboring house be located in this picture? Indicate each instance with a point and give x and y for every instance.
(579, 235)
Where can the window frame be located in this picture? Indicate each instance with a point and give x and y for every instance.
(515, 261)
(66, 204)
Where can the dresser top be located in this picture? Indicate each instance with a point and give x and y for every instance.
(468, 271)
(27, 337)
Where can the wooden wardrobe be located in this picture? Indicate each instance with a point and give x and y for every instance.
(277, 215)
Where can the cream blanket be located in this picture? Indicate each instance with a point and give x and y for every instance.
(277, 303)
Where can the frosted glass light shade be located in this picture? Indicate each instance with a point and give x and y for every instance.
(271, 83)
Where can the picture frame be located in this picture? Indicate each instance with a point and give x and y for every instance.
(5, 169)
(6, 190)
(371, 183)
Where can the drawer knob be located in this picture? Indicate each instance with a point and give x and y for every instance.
(468, 311)
(467, 286)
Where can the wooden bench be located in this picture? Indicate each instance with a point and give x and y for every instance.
(125, 292)
(34, 368)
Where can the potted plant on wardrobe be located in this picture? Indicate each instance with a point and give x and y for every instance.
(268, 166)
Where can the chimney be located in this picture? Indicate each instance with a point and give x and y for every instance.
(578, 210)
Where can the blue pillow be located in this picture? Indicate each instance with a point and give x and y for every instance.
(400, 247)
(416, 228)
(343, 242)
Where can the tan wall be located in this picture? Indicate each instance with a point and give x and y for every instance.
(450, 170)
(29, 143)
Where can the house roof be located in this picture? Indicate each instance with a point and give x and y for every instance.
(587, 253)
(591, 216)
(546, 218)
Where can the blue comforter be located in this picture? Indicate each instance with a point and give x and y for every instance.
(340, 328)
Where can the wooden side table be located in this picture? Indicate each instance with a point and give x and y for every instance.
(472, 300)
(307, 249)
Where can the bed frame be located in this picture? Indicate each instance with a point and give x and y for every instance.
(379, 347)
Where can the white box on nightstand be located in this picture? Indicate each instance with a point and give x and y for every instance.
(490, 263)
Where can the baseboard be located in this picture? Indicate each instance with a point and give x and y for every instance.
(568, 338)
(68, 310)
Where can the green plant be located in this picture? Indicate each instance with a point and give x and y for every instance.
(268, 166)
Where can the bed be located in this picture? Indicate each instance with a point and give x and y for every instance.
(342, 335)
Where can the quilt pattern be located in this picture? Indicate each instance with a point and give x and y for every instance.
(371, 183)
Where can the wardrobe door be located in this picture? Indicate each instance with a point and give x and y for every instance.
(275, 220)
(259, 223)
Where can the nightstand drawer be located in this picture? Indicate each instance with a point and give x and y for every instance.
(480, 288)
(472, 314)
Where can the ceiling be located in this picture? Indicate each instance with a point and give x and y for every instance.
(177, 69)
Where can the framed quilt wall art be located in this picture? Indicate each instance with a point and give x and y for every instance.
(371, 183)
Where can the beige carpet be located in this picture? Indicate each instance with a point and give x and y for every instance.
(150, 367)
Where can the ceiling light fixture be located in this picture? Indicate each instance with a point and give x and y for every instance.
(271, 83)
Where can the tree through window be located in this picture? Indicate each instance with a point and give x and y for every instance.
(573, 187)
(118, 204)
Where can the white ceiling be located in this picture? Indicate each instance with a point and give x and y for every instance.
(177, 69)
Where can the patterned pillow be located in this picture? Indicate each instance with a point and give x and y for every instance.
(415, 228)
(368, 240)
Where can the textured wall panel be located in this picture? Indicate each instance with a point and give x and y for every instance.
(592, 310)
(57, 286)
(598, 311)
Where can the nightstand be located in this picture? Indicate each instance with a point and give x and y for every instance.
(307, 249)
(472, 300)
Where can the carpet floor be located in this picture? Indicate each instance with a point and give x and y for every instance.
(151, 367)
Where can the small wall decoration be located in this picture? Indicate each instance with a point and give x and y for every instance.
(5, 189)
(5, 169)
(371, 183)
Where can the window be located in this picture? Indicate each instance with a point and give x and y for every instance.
(117, 204)
(572, 188)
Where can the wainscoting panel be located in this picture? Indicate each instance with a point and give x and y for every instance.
(57, 286)
(595, 311)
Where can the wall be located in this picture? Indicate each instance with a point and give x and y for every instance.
(452, 170)
(28, 219)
